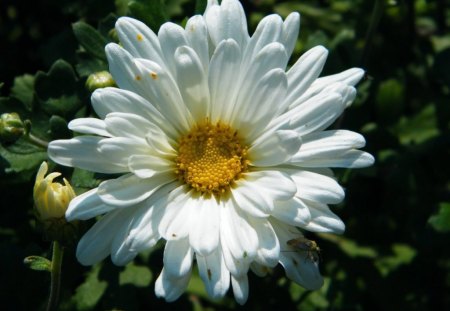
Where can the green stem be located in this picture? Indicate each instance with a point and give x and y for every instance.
(377, 12)
(37, 141)
(55, 285)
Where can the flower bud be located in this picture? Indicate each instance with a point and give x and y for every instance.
(51, 199)
(11, 127)
(99, 80)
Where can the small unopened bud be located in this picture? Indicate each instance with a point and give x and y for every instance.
(11, 127)
(51, 199)
(99, 80)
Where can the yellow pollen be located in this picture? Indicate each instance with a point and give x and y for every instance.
(210, 157)
(139, 37)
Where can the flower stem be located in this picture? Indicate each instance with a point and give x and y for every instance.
(37, 141)
(377, 12)
(55, 284)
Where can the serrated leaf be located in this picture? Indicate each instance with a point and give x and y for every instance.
(88, 294)
(58, 90)
(23, 90)
(151, 12)
(139, 276)
(85, 180)
(441, 220)
(87, 64)
(22, 156)
(90, 39)
(38, 263)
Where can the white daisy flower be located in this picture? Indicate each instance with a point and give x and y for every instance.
(223, 152)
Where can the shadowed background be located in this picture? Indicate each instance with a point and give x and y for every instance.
(394, 254)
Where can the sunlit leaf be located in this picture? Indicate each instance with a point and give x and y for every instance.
(441, 220)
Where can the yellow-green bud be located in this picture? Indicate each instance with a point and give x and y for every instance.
(99, 80)
(51, 199)
(11, 127)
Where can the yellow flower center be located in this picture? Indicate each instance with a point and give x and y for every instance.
(210, 157)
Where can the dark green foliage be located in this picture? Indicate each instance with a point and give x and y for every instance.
(395, 252)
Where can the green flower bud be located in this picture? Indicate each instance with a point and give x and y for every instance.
(11, 127)
(99, 80)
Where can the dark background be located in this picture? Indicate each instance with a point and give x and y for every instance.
(394, 254)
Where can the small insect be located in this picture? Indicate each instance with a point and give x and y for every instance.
(304, 245)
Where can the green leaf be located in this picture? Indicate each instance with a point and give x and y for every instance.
(151, 12)
(87, 64)
(19, 157)
(58, 90)
(23, 90)
(88, 294)
(200, 6)
(38, 263)
(58, 127)
(441, 220)
(403, 254)
(390, 100)
(84, 180)
(90, 39)
(138, 276)
(419, 127)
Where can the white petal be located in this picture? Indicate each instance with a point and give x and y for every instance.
(274, 148)
(119, 149)
(177, 220)
(332, 149)
(192, 82)
(86, 206)
(196, 32)
(95, 245)
(315, 114)
(291, 27)
(301, 270)
(348, 159)
(138, 39)
(223, 81)
(214, 273)
(269, 30)
(130, 189)
(298, 266)
(107, 100)
(258, 104)
(128, 125)
(171, 36)
(82, 152)
(178, 256)
(143, 233)
(256, 192)
(304, 72)
(240, 288)
(227, 21)
(204, 233)
(89, 126)
(293, 212)
(269, 247)
(323, 219)
(170, 288)
(145, 166)
(239, 240)
(123, 68)
(317, 187)
(258, 269)
(160, 88)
